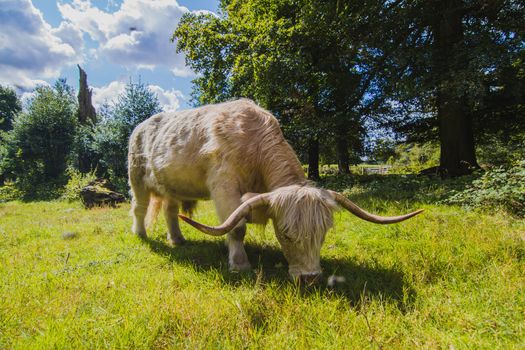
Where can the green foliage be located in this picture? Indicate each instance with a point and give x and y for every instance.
(134, 105)
(398, 188)
(82, 156)
(312, 63)
(413, 157)
(10, 106)
(110, 143)
(111, 135)
(496, 151)
(498, 188)
(4, 137)
(37, 147)
(10, 192)
(383, 150)
(76, 182)
(467, 52)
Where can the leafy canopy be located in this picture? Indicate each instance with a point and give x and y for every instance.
(9, 107)
(37, 147)
(117, 121)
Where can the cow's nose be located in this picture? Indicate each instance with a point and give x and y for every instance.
(309, 278)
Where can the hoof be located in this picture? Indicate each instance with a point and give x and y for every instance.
(141, 235)
(176, 241)
(139, 231)
(238, 260)
(240, 267)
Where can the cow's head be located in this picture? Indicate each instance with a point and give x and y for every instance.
(301, 215)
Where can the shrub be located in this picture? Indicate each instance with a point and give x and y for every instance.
(9, 192)
(76, 182)
(497, 188)
(492, 151)
(36, 149)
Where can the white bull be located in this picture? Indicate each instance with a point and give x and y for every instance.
(235, 154)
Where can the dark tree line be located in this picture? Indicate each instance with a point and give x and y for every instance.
(430, 70)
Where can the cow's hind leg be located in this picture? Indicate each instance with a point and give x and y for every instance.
(225, 203)
(171, 209)
(139, 208)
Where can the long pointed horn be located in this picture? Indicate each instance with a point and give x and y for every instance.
(363, 214)
(228, 225)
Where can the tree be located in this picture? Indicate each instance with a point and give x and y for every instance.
(383, 150)
(234, 60)
(9, 107)
(40, 141)
(111, 135)
(312, 63)
(455, 50)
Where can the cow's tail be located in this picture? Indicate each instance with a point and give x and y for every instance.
(154, 207)
(156, 203)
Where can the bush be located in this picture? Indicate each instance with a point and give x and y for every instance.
(492, 151)
(35, 151)
(496, 188)
(77, 181)
(9, 192)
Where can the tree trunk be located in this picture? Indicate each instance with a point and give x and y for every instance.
(455, 126)
(458, 155)
(343, 160)
(313, 159)
(86, 111)
(86, 116)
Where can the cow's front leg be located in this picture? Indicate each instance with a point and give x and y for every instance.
(237, 257)
(226, 202)
(171, 209)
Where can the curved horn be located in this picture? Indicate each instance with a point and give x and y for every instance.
(228, 225)
(363, 214)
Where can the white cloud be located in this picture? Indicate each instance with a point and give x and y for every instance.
(137, 34)
(30, 49)
(108, 93)
(70, 35)
(168, 99)
(89, 19)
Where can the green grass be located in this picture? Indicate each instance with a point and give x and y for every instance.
(448, 278)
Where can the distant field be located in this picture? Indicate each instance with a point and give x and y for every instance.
(73, 278)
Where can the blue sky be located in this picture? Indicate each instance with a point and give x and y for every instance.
(42, 40)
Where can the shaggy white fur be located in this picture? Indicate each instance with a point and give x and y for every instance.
(229, 152)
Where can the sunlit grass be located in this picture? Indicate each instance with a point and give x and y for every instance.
(75, 278)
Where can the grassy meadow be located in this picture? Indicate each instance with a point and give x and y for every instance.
(450, 278)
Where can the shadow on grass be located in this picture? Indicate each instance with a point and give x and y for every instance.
(397, 187)
(269, 265)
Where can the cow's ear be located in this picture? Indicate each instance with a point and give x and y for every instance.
(258, 215)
